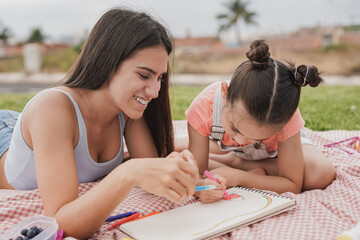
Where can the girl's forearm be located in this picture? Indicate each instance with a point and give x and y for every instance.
(85, 215)
(273, 183)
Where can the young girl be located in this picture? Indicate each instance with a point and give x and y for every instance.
(255, 117)
(73, 133)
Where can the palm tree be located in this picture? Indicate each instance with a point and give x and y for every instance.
(237, 10)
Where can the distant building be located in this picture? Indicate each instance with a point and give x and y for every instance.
(198, 44)
(303, 39)
(313, 38)
(2, 50)
(350, 37)
(12, 51)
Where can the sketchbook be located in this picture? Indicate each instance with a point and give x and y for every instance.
(200, 221)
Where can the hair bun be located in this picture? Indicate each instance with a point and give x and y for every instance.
(259, 53)
(307, 75)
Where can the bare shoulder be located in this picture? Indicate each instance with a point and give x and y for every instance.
(51, 110)
(52, 103)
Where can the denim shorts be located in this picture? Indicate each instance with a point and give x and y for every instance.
(7, 122)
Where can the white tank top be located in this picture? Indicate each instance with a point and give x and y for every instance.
(20, 164)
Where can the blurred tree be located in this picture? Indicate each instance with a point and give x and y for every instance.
(5, 33)
(79, 46)
(237, 10)
(36, 36)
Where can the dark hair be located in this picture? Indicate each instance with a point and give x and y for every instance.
(269, 89)
(118, 35)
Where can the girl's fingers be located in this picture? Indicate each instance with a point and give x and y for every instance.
(187, 175)
(190, 169)
(188, 157)
(170, 194)
(220, 179)
(173, 155)
(175, 178)
(180, 190)
(180, 187)
(184, 165)
(211, 195)
(185, 155)
(174, 196)
(181, 177)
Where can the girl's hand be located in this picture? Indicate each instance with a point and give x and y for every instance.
(185, 155)
(230, 174)
(234, 176)
(210, 196)
(170, 177)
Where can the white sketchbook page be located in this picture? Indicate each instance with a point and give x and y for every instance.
(198, 220)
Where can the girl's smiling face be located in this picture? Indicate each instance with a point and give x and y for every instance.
(138, 80)
(242, 128)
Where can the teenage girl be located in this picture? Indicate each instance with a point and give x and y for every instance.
(73, 133)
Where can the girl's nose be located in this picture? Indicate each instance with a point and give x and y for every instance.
(243, 141)
(153, 88)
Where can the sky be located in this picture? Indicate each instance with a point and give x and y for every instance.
(74, 18)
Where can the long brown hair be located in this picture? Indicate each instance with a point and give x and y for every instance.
(117, 36)
(269, 89)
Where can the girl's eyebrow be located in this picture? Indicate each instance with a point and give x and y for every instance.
(259, 140)
(147, 69)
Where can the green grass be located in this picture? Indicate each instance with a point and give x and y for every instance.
(59, 61)
(323, 108)
(180, 99)
(14, 101)
(331, 107)
(12, 64)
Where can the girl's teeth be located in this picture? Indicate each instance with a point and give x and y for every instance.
(143, 102)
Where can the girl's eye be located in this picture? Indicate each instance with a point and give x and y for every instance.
(143, 76)
(234, 130)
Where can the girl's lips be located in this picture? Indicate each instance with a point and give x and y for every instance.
(141, 101)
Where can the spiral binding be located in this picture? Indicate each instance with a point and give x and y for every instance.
(263, 192)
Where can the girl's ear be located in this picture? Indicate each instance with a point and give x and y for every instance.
(224, 90)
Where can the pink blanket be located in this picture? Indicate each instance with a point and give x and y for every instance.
(320, 214)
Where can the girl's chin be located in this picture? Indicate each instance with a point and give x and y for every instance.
(135, 115)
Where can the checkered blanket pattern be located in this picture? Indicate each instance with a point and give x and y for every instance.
(320, 214)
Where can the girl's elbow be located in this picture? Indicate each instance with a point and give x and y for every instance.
(77, 232)
(296, 188)
(292, 186)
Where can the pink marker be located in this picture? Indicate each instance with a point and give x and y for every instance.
(208, 174)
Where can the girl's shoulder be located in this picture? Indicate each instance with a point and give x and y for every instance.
(199, 114)
(293, 126)
(51, 99)
(50, 104)
(206, 96)
(49, 113)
